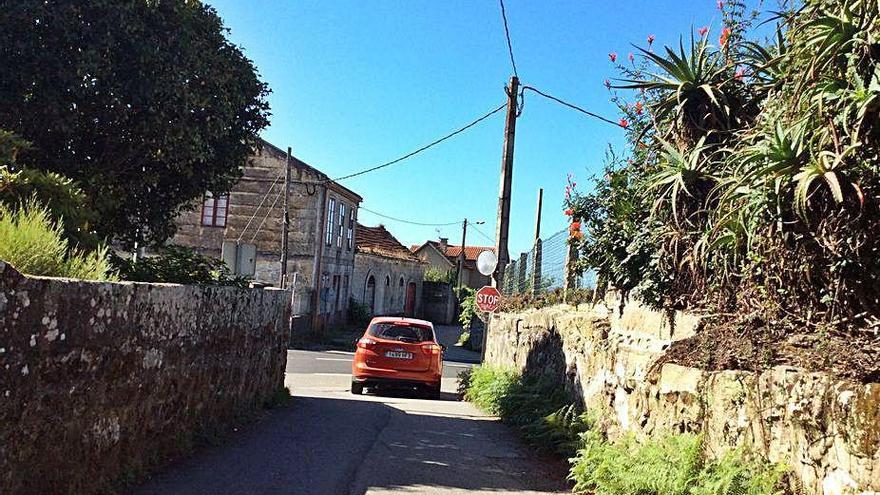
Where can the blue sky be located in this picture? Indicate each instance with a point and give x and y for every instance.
(358, 83)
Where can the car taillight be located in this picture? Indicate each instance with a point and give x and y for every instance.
(366, 343)
(431, 349)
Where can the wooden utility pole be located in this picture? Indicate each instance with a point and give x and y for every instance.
(461, 257)
(537, 248)
(503, 222)
(285, 226)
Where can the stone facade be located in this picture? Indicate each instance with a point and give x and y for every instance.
(387, 277)
(393, 281)
(826, 430)
(101, 381)
(319, 242)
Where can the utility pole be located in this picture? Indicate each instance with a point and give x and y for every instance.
(285, 228)
(503, 222)
(461, 257)
(537, 248)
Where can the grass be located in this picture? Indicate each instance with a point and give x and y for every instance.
(35, 245)
(668, 465)
(541, 412)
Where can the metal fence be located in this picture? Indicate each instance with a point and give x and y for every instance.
(543, 268)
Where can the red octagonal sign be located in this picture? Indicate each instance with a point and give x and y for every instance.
(488, 299)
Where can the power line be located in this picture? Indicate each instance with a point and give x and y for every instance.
(257, 210)
(507, 35)
(408, 221)
(423, 148)
(268, 211)
(477, 229)
(572, 106)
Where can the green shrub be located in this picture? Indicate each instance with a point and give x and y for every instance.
(489, 387)
(62, 197)
(535, 405)
(434, 274)
(670, 465)
(358, 314)
(178, 265)
(468, 306)
(32, 243)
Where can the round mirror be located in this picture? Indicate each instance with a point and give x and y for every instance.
(486, 263)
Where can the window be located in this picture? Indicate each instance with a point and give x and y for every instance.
(350, 233)
(342, 209)
(214, 210)
(402, 332)
(331, 215)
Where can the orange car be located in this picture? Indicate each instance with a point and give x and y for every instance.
(398, 352)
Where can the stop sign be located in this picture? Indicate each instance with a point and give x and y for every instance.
(487, 299)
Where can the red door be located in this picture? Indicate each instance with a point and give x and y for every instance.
(410, 308)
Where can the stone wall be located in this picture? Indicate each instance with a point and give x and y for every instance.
(100, 381)
(826, 430)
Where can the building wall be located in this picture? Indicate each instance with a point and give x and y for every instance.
(389, 299)
(434, 259)
(102, 380)
(256, 216)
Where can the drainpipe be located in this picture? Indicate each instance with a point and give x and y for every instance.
(319, 254)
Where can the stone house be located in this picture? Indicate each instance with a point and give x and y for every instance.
(444, 256)
(244, 228)
(387, 276)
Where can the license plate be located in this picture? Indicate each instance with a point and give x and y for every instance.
(399, 355)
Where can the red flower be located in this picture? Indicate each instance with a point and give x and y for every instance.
(569, 212)
(703, 30)
(623, 123)
(631, 57)
(577, 235)
(638, 108)
(740, 73)
(720, 4)
(613, 56)
(725, 34)
(575, 226)
(607, 84)
(650, 39)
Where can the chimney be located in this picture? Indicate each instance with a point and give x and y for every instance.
(444, 243)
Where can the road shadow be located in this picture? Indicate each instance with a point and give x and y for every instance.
(326, 446)
(413, 394)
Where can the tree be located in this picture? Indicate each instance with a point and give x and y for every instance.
(144, 103)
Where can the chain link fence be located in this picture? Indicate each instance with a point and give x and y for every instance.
(543, 268)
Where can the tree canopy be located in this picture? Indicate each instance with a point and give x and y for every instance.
(144, 103)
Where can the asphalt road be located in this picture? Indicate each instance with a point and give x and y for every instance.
(328, 441)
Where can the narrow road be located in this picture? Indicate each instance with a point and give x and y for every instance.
(328, 441)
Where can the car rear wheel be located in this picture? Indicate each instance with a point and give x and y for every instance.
(357, 388)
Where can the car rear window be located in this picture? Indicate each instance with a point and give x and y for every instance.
(403, 333)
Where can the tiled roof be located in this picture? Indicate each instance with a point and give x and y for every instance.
(378, 241)
(453, 252)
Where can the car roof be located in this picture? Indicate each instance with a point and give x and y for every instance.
(400, 319)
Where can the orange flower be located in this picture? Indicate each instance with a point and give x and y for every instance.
(575, 226)
(638, 108)
(725, 34)
(623, 123)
